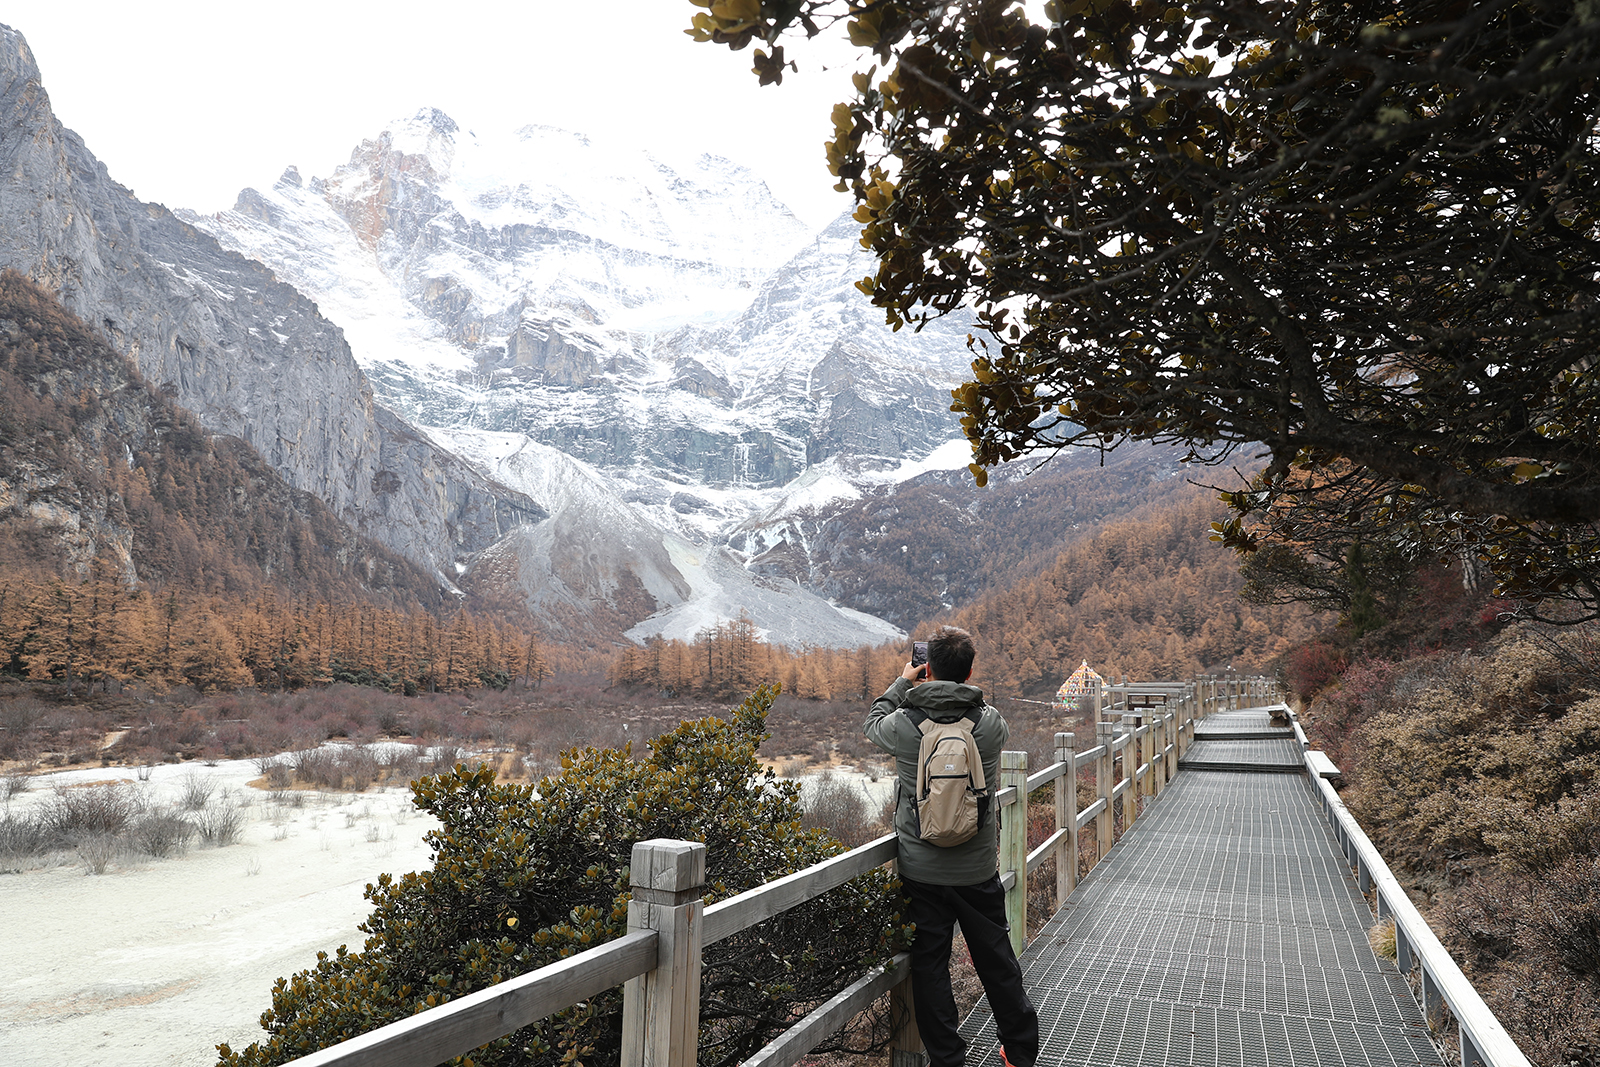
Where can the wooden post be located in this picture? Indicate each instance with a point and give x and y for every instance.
(1185, 719)
(1014, 846)
(1130, 769)
(1097, 699)
(1169, 743)
(1158, 743)
(905, 1044)
(1067, 817)
(661, 1009)
(1105, 738)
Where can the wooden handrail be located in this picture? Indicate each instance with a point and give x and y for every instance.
(728, 917)
(438, 1034)
(794, 1043)
(1484, 1041)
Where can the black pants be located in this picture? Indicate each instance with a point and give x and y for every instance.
(981, 911)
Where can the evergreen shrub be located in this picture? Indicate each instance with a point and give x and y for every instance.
(524, 876)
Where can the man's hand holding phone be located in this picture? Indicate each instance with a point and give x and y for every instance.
(917, 670)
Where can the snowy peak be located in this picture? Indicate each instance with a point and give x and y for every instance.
(662, 334)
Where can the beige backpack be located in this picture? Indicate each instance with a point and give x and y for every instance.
(952, 796)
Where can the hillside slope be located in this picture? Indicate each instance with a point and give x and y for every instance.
(1147, 596)
(101, 472)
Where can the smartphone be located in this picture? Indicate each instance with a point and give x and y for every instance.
(919, 653)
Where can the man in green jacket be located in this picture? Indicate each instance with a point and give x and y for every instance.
(957, 884)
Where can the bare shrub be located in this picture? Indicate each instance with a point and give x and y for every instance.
(17, 721)
(161, 834)
(402, 762)
(195, 790)
(840, 807)
(96, 809)
(314, 766)
(96, 851)
(14, 782)
(359, 767)
(221, 823)
(443, 757)
(23, 836)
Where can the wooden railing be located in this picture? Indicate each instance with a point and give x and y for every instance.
(658, 960)
(1484, 1042)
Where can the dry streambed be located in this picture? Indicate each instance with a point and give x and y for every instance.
(116, 956)
(155, 961)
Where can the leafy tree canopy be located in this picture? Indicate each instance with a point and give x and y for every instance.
(523, 877)
(1360, 234)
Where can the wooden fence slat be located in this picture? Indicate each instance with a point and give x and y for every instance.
(727, 917)
(1088, 815)
(791, 1046)
(1048, 775)
(1042, 853)
(431, 1037)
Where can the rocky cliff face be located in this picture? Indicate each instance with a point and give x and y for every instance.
(99, 471)
(223, 337)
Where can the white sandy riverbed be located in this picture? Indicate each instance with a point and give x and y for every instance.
(156, 961)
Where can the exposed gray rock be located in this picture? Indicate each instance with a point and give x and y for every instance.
(223, 337)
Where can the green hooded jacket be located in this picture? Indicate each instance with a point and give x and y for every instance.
(888, 727)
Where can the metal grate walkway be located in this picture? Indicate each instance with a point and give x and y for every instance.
(1246, 724)
(1224, 929)
(1277, 754)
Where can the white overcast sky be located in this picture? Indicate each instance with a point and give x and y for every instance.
(188, 102)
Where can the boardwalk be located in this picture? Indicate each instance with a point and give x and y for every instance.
(1224, 929)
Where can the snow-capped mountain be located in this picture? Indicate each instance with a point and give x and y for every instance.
(649, 320)
(690, 359)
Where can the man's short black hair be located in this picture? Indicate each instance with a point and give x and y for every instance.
(950, 654)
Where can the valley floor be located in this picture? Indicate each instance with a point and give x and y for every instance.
(154, 962)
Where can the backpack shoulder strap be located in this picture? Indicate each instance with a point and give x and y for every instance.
(975, 715)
